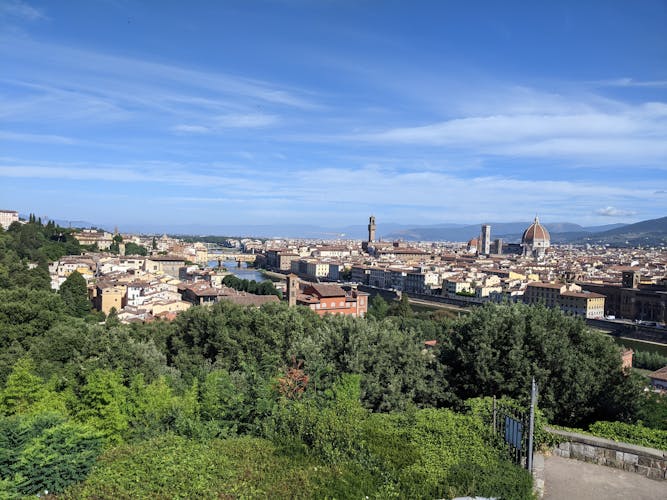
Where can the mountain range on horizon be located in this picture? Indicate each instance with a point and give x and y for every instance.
(648, 232)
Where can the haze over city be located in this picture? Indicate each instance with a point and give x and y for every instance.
(125, 113)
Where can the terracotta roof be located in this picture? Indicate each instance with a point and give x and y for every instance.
(250, 299)
(588, 295)
(327, 290)
(660, 374)
(165, 258)
(535, 232)
(539, 284)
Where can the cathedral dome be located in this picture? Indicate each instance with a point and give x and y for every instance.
(536, 235)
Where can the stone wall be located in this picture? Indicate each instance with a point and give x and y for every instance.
(648, 462)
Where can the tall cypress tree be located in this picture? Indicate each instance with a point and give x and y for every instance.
(74, 293)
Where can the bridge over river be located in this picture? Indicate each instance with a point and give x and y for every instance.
(228, 256)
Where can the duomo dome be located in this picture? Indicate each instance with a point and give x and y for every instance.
(535, 239)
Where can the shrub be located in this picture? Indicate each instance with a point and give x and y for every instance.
(45, 452)
(630, 433)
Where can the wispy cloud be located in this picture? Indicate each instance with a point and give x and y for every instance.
(631, 82)
(426, 194)
(614, 212)
(191, 129)
(636, 133)
(251, 120)
(38, 138)
(19, 9)
(74, 85)
(220, 123)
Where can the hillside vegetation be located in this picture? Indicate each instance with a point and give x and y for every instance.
(230, 402)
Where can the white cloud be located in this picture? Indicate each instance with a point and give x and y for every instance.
(190, 129)
(636, 133)
(16, 8)
(614, 212)
(418, 196)
(245, 120)
(631, 82)
(38, 138)
(74, 87)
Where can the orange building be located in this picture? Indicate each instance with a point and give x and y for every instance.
(327, 298)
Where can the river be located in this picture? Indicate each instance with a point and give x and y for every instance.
(244, 272)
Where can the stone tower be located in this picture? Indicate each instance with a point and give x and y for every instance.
(292, 289)
(486, 239)
(630, 279)
(371, 229)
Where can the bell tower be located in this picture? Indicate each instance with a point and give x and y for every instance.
(371, 229)
(292, 289)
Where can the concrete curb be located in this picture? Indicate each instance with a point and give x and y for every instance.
(538, 475)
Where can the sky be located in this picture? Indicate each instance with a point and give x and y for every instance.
(133, 113)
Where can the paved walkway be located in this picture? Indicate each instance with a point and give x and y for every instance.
(569, 479)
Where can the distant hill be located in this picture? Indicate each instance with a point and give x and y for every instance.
(649, 232)
(509, 231)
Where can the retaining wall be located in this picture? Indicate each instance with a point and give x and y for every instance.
(648, 462)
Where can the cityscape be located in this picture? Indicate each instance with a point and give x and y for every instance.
(343, 249)
(601, 283)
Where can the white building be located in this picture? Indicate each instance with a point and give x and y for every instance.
(7, 217)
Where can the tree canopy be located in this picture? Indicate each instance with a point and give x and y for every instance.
(74, 293)
(345, 406)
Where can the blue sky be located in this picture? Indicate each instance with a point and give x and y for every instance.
(255, 112)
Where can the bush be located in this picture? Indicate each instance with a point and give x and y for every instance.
(174, 467)
(455, 457)
(649, 360)
(629, 433)
(45, 452)
(483, 409)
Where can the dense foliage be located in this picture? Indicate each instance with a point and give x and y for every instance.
(629, 433)
(276, 401)
(316, 448)
(132, 248)
(74, 293)
(637, 433)
(263, 288)
(36, 242)
(649, 360)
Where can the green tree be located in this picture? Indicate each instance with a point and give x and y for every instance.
(112, 318)
(150, 407)
(132, 248)
(402, 309)
(74, 293)
(221, 402)
(496, 350)
(59, 456)
(378, 307)
(102, 404)
(23, 389)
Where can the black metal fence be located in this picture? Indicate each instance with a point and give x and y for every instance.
(514, 429)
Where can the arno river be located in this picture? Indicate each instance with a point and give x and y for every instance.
(242, 272)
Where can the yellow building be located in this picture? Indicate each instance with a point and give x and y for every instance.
(569, 298)
(109, 297)
(169, 306)
(586, 304)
